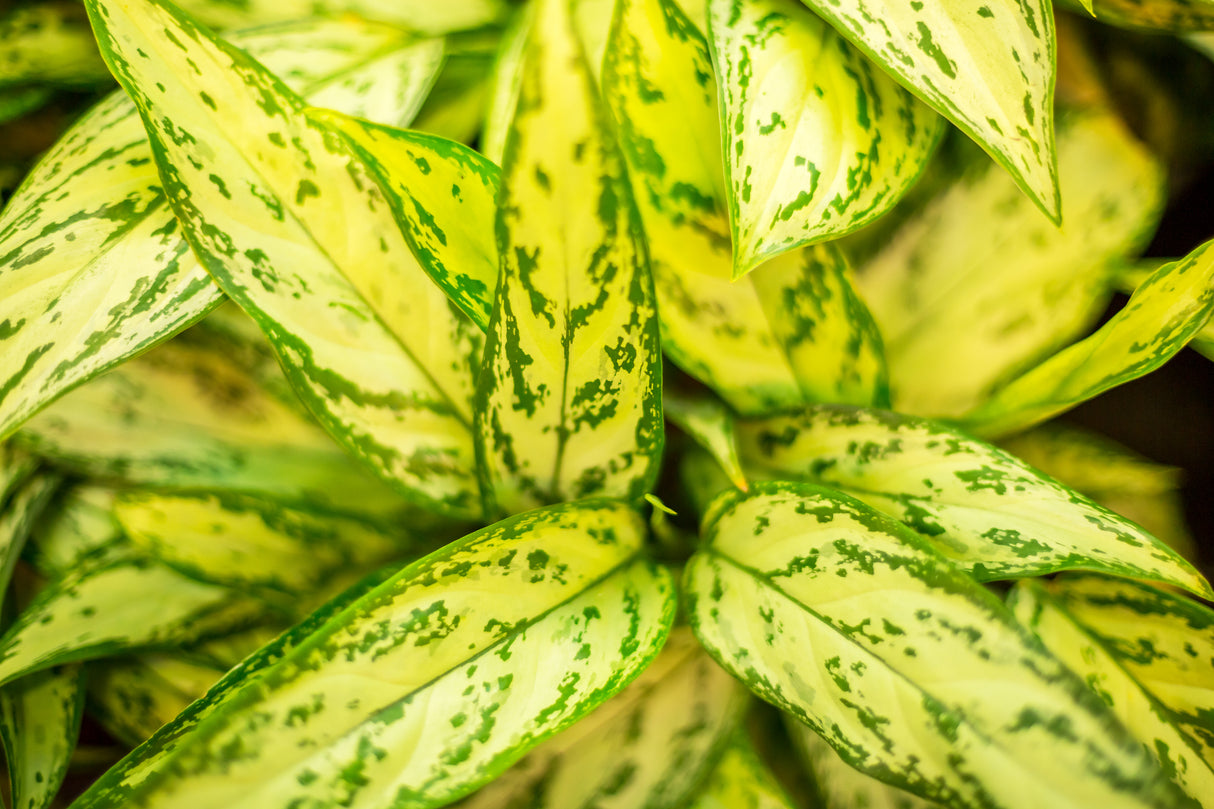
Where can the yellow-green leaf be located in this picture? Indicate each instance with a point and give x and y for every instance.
(911, 670)
(17, 519)
(1154, 15)
(49, 43)
(1167, 311)
(495, 643)
(982, 508)
(711, 426)
(569, 396)
(988, 68)
(133, 697)
(1150, 721)
(818, 140)
(80, 530)
(742, 781)
(455, 108)
(39, 722)
(506, 82)
(422, 16)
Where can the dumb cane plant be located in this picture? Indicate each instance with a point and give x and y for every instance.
(333, 444)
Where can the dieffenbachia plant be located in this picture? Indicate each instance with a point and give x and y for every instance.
(341, 459)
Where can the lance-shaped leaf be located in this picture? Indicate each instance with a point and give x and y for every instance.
(1167, 311)
(49, 43)
(423, 16)
(506, 82)
(248, 543)
(1150, 721)
(658, 81)
(568, 403)
(982, 508)
(818, 141)
(101, 611)
(988, 68)
(1164, 641)
(444, 195)
(17, 518)
(742, 781)
(183, 416)
(711, 426)
(850, 622)
(649, 746)
(495, 642)
(93, 267)
(975, 285)
(39, 723)
(293, 230)
(842, 786)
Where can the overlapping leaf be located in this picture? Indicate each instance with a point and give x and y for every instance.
(988, 68)
(1149, 720)
(569, 396)
(818, 141)
(93, 267)
(907, 667)
(976, 285)
(495, 642)
(795, 332)
(134, 697)
(1167, 311)
(39, 722)
(982, 508)
(741, 781)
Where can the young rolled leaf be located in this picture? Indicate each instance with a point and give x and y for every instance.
(1148, 720)
(568, 403)
(842, 617)
(39, 722)
(750, 341)
(711, 426)
(985, 510)
(1167, 311)
(742, 781)
(649, 746)
(89, 230)
(974, 286)
(134, 697)
(818, 140)
(580, 613)
(444, 195)
(989, 69)
(289, 225)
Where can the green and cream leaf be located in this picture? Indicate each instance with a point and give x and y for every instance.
(40, 719)
(17, 519)
(742, 781)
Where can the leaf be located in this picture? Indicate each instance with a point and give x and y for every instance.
(658, 82)
(648, 746)
(183, 416)
(741, 781)
(254, 545)
(842, 617)
(134, 697)
(496, 642)
(1154, 15)
(841, 785)
(507, 82)
(819, 142)
(568, 403)
(1147, 719)
(79, 530)
(1167, 310)
(15, 467)
(93, 267)
(702, 478)
(1165, 642)
(18, 101)
(101, 611)
(456, 105)
(711, 426)
(989, 70)
(17, 519)
(421, 16)
(980, 507)
(39, 722)
(49, 43)
(444, 196)
(975, 286)
(286, 221)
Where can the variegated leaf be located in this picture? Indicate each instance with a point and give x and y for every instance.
(658, 81)
(711, 426)
(818, 141)
(648, 747)
(183, 416)
(17, 519)
(39, 723)
(134, 697)
(89, 231)
(444, 195)
(506, 83)
(1154, 15)
(485, 677)
(842, 786)
(422, 16)
(742, 781)
(293, 230)
(104, 610)
(253, 544)
(568, 403)
(988, 68)
(1168, 309)
(1164, 641)
(975, 285)
(982, 508)
(79, 530)
(908, 668)
(49, 43)
(1151, 723)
